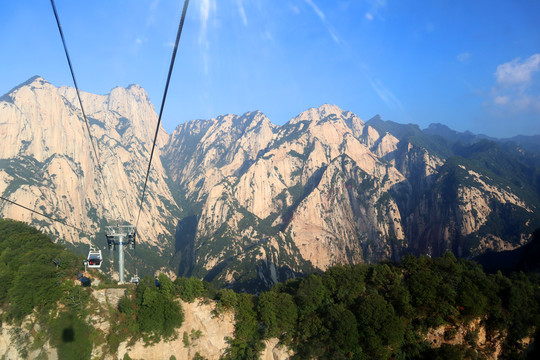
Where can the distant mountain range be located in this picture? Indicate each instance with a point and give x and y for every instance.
(238, 200)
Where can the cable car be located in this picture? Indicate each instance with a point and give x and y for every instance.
(110, 241)
(84, 280)
(94, 258)
(131, 240)
(135, 280)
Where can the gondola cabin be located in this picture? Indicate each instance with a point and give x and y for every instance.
(110, 241)
(94, 258)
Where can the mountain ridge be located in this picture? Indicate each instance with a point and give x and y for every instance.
(243, 202)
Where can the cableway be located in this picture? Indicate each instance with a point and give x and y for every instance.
(98, 161)
(184, 10)
(48, 216)
(93, 142)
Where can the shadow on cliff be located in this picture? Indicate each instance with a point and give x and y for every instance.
(311, 184)
(186, 230)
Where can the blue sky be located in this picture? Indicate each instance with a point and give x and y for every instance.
(472, 65)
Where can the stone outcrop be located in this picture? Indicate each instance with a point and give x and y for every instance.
(210, 342)
(322, 189)
(254, 203)
(472, 334)
(207, 335)
(48, 163)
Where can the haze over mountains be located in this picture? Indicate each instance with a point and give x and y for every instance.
(238, 200)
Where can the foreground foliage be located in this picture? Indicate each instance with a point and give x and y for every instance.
(37, 277)
(383, 311)
(380, 311)
(150, 311)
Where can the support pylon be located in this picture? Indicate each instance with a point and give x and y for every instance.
(117, 237)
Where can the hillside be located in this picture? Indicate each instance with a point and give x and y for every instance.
(267, 202)
(239, 201)
(47, 164)
(420, 308)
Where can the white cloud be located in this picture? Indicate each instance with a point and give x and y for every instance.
(386, 95)
(206, 8)
(318, 11)
(242, 12)
(516, 86)
(325, 22)
(294, 9)
(375, 9)
(267, 35)
(517, 72)
(500, 100)
(154, 5)
(464, 56)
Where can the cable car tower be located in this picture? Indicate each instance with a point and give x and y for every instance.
(119, 236)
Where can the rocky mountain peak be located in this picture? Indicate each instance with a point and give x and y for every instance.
(316, 114)
(253, 201)
(35, 83)
(48, 163)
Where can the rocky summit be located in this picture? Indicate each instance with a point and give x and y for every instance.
(240, 201)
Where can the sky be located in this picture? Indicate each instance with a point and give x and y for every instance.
(471, 65)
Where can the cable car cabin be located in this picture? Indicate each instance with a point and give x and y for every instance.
(110, 242)
(94, 258)
(84, 280)
(131, 240)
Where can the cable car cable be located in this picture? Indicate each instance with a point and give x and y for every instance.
(98, 161)
(184, 10)
(48, 217)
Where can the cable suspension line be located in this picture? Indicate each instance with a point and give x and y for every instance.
(47, 216)
(180, 26)
(98, 161)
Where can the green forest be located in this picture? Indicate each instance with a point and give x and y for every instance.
(379, 311)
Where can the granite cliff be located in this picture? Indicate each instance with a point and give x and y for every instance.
(238, 200)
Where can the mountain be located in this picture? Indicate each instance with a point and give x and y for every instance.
(268, 202)
(47, 163)
(444, 131)
(239, 201)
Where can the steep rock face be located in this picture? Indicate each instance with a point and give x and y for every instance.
(325, 188)
(238, 200)
(202, 153)
(48, 163)
(366, 212)
(463, 212)
(315, 193)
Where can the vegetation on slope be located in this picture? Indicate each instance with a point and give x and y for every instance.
(38, 285)
(384, 311)
(26, 262)
(36, 278)
(364, 311)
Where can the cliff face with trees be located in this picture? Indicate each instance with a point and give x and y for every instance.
(240, 201)
(419, 308)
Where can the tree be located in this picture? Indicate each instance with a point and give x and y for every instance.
(246, 344)
(378, 326)
(311, 295)
(343, 332)
(278, 313)
(158, 314)
(189, 288)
